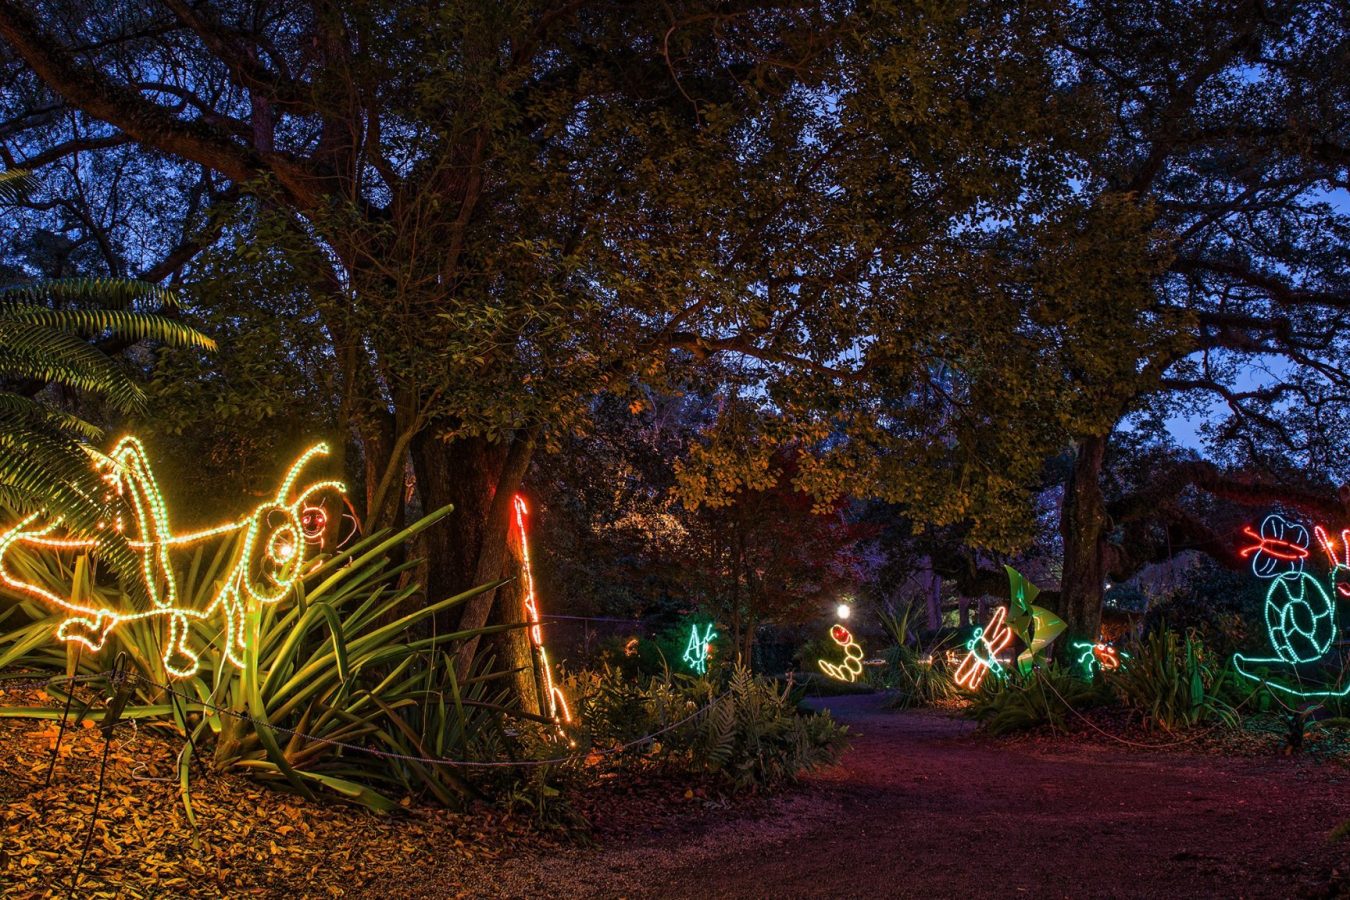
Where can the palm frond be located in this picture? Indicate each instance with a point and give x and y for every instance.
(38, 353)
(103, 292)
(18, 412)
(121, 322)
(44, 470)
(15, 185)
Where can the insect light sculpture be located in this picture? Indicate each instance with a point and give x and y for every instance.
(557, 703)
(1300, 613)
(1096, 656)
(985, 646)
(699, 648)
(269, 557)
(851, 666)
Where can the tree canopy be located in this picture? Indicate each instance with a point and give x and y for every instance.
(930, 248)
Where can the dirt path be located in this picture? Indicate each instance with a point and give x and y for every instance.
(919, 808)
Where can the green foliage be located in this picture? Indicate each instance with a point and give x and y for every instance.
(916, 676)
(272, 383)
(753, 738)
(1043, 698)
(746, 733)
(15, 185)
(1171, 683)
(917, 679)
(350, 657)
(46, 329)
(1218, 606)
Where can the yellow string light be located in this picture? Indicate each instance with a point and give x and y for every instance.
(851, 666)
(270, 558)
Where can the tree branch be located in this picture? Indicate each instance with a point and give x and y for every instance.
(137, 117)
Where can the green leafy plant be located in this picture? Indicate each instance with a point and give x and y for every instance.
(753, 739)
(1170, 682)
(745, 732)
(352, 658)
(916, 676)
(45, 332)
(1046, 697)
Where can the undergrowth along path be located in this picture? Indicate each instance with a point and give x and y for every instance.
(922, 807)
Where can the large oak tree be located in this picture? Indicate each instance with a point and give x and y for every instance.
(501, 211)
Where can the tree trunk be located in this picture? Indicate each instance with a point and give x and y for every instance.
(514, 648)
(480, 478)
(934, 600)
(1084, 528)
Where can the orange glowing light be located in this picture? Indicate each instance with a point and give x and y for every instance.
(996, 636)
(557, 703)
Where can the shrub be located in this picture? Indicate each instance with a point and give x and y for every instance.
(917, 676)
(746, 732)
(343, 659)
(753, 737)
(917, 679)
(1217, 606)
(1045, 697)
(1170, 682)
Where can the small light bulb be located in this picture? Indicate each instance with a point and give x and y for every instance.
(844, 611)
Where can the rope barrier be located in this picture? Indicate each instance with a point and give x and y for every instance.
(1126, 741)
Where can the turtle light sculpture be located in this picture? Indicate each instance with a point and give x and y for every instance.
(269, 557)
(1300, 613)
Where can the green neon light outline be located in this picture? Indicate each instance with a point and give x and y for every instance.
(975, 645)
(1294, 618)
(696, 651)
(1087, 658)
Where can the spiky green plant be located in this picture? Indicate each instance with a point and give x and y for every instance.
(350, 657)
(915, 675)
(1170, 682)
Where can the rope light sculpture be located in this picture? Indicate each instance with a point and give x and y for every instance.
(269, 560)
(985, 646)
(1300, 614)
(1093, 657)
(1035, 626)
(557, 703)
(851, 666)
(699, 648)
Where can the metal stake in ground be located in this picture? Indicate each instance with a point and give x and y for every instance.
(65, 715)
(112, 714)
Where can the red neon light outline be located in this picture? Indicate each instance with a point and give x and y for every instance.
(1269, 546)
(557, 703)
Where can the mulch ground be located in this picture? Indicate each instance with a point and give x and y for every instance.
(921, 806)
(249, 840)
